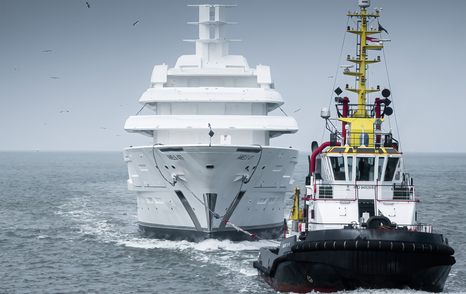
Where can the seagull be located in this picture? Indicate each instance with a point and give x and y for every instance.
(297, 110)
(55, 78)
(88, 5)
(47, 51)
(136, 22)
(63, 111)
(103, 128)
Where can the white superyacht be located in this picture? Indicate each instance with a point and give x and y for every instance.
(210, 171)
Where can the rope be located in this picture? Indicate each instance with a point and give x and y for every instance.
(281, 109)
(335, 75)
(141, 109)
(216, 215)
(393, 101)
(157, 166)
(257, 165)
(227, 222)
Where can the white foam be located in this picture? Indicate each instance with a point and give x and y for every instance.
(144, 243)
(231, 256)
(383, 291)
(249, 272)
(209, 245)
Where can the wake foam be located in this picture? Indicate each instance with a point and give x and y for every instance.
(103, 226)
(208, 245)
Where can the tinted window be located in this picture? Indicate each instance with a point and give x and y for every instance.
(365, 168)
(391, 167)
(338, 167)
(380, 168)
(349, 161)
(318, 168)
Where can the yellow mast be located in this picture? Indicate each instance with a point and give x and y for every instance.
(361, 112)
(360, 121)
(361, 59)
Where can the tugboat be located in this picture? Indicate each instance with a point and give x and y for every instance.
(359, 222)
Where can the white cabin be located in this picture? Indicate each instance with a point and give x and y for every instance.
(212, 88)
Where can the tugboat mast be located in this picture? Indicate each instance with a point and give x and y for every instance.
(361, 60)
(362, 119)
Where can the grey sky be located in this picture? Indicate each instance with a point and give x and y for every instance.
(103, 64)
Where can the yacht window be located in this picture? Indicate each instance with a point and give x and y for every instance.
(349, 161)
(365, 168)
(338, 166)
(391, 167)
(380, 168)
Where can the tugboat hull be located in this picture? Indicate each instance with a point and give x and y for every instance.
(409, 259)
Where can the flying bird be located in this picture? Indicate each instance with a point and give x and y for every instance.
(55, 78)
(47, 50)
(297, 110)
(135, 23)
(63, 111)
(88, 5)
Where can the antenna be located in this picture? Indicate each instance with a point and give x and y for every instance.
(211, 43)
(364, 3)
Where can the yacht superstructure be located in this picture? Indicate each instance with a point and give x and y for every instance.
(210, 171)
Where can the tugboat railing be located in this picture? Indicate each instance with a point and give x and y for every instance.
(327, 192)
(420, 227)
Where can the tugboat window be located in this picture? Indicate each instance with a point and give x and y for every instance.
(338, 166)
(391, 167)
(349, 161)
(365, 169)
(318, 174)
(380, 168)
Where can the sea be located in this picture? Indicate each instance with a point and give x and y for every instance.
(68, 225)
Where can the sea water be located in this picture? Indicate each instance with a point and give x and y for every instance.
(68, 225)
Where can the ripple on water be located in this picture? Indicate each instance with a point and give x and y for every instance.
(75, 229)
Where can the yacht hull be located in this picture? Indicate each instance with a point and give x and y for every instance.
(334, 260)
(200, 191)
(172, 233)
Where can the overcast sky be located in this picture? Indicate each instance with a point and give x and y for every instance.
(78, 95)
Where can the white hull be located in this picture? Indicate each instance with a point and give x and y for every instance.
(186, 187)
(200, 188)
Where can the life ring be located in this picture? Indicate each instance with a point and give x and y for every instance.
(378, 222)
